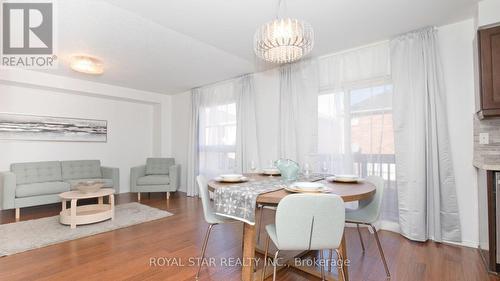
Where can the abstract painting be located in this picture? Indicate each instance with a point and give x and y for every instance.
(45, 128)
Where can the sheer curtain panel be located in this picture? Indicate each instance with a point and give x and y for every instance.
(193, 163)
(212, 133)
(247, 142)
(217, 129)
(297, 110)
(355, 130)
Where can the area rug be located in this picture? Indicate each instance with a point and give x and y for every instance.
(27, 235)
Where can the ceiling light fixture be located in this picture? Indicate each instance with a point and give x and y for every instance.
(86, 64)
(283, 40)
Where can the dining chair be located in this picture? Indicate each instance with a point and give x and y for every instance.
(210, 217)
(367, 213)
(307, 222)
(261, 217)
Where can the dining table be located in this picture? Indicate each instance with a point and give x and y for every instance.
(349, 192)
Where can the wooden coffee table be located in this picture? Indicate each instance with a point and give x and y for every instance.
(77, 215)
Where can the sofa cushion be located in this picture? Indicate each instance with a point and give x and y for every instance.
(108, 183)
(34, 172)
(81, 169)
(158, 166)
(42, 188)
(153, 180)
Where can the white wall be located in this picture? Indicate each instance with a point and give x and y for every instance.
(456, 44)
(138, 122)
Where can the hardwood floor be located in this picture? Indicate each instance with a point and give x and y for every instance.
(125, 254)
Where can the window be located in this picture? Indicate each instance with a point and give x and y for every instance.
(372, 136)
(355, 135)
(217, 139)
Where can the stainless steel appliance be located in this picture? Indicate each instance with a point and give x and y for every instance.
(489, 218)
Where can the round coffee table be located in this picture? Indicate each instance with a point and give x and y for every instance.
(77, 215)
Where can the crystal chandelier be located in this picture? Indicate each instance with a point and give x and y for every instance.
(283, 40)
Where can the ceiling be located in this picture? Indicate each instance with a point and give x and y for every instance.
(172, 46)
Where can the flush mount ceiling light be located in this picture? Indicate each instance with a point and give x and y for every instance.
(86, 64)
(283, 40)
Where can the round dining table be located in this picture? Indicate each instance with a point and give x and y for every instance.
(348, 191)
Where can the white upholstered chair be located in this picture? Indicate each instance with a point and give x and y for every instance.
(261, 209)
(307, 222)
(210, 217)
(368, 213)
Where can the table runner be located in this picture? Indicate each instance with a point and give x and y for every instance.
(238, 201)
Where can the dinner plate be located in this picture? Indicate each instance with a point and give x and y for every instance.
(307, 186)
(231, 177)
(271, 172)
(297, 190)
(344, 178)
(232, 180)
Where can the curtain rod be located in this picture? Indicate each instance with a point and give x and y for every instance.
(227, 80)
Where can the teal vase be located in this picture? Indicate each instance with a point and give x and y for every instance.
(289, 169)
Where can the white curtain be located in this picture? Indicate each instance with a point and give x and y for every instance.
(355, 67)
(428, 206)
(217, 129)
(297, 110)
(193, 163)
(355, 132)
(212, 133)
(247, 145)
(223, 130)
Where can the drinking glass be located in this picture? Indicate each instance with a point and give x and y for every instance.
(253, 168)
(324, 167)
(307, 170)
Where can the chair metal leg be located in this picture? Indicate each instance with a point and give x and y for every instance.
(242, 240)
(138, 197)
(341, 264)
(330, 261)
(275, 264)
(322, 259)
(380, 250)
(203, 249)
(360, 238)
(261, 209)
(265, 260)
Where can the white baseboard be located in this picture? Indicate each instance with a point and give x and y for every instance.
(388, 225)
(468, 244)
(394, 227)
(380, 225)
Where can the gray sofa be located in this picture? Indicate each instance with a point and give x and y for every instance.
(38, 183)
(158, 175)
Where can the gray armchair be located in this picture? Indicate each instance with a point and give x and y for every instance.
(158, 175)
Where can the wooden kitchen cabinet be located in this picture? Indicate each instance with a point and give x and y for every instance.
(489, 72)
